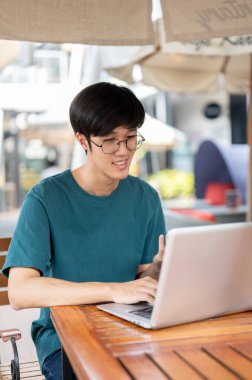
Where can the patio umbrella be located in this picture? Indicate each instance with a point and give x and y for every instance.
(96, 22)
(124, 22)
(159, 136)
(195, 66)
(200, 19)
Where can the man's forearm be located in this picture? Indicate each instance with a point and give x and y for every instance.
(27, 290)
(46, 292)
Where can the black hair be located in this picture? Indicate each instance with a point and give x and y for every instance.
(102, 107)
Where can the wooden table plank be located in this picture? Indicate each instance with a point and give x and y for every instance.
(245, 348)
(175, 367)
(214, 327)
(140, 367)
(207, 365)
(149, 347)
(232, 359)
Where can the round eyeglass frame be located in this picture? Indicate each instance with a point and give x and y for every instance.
(119, 143)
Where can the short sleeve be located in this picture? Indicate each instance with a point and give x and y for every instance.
(30, 245)
(156, 227)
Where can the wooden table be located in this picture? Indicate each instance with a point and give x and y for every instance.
(104, 347)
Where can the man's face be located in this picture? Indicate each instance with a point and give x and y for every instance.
(115, 165)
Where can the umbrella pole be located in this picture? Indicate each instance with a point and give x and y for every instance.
(249, 133)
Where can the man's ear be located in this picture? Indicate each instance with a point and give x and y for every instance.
(82, 140)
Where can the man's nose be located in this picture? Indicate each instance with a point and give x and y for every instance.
(122, 147)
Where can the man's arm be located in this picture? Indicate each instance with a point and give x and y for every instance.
(27, 289)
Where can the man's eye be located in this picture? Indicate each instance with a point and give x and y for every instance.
(107, 139)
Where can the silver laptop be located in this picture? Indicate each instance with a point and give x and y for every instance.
(206, 272)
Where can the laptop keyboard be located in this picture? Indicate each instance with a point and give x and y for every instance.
(145, 312)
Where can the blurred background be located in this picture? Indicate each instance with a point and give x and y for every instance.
(191, 98)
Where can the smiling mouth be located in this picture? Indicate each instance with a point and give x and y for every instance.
(120, 164)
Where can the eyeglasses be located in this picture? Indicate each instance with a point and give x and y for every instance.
(111, 146)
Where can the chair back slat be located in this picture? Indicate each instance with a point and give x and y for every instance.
(3, 281)
(2, 258)
(4, 300)
(4, 245)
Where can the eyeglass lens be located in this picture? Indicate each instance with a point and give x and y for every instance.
(112, 145)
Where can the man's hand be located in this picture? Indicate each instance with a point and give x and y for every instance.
(154, 269)
(158, 258)
(143, 289)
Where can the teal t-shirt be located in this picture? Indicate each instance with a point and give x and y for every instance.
(69, 234)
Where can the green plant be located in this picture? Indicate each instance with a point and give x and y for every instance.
(172, 183)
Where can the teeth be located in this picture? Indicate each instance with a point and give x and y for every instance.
(120, 162)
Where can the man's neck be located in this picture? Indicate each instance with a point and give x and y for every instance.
(95, 185)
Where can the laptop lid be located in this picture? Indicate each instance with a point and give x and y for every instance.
(206, 272)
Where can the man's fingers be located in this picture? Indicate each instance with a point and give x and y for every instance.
(135, 291)
(148, 292)
(147, 287)
(161, 247)
(149, 299)
(161, 243)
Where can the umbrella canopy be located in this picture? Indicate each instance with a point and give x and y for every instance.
(124, 22)
(159, 136)
(196, 66)
(106, 22)
(203, 19)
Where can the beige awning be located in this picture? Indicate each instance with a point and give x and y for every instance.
(189, 73)
(124, 22)
(225, 46)
(180, 73)
(195, 66)
(198, 19)
(97, 22)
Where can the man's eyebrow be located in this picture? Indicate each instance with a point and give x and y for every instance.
(110, 133)
(114, 133)
(107, 135)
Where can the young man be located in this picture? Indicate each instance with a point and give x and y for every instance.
(90, 235)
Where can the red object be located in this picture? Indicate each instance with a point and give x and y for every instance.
(197, 214)
(215, 192)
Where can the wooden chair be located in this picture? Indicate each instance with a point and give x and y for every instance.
(16, 370)
(4, 245)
